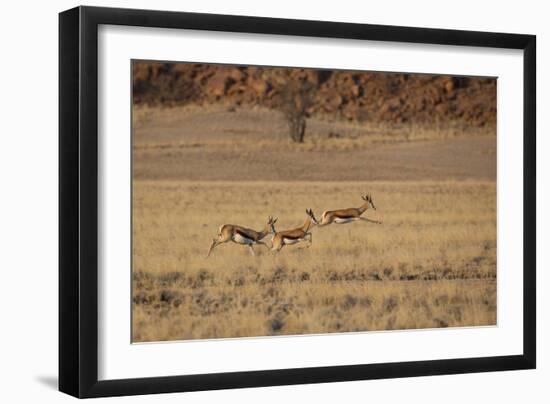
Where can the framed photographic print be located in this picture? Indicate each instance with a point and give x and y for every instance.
(251, 201)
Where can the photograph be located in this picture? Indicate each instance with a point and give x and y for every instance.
(273, 200)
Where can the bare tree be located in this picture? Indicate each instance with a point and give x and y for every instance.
(296, 97)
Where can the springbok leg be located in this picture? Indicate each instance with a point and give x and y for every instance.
(369, 220)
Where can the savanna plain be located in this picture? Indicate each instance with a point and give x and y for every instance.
(430, 264)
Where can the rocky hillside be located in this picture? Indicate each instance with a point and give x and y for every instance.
(351, 95)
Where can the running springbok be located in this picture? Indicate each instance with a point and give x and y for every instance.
(286, 237)
(348, 215)
(242, 235)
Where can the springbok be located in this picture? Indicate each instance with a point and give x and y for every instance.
(242, 235)
(286, 237)
(348, 215)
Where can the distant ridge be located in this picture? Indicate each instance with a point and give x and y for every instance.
(351, 95)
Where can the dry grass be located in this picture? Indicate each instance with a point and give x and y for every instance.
(432, 263)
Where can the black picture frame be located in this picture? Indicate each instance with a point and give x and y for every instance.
(78, 201)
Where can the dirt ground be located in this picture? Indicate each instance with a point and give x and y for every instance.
(194, 144)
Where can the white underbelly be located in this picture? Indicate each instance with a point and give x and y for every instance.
(237, 238)
(346, 220)
(292, 240)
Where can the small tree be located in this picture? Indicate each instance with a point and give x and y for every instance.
(296, 97)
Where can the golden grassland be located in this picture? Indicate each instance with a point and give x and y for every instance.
(432, 263)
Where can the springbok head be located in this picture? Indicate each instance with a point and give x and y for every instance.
(312, 216)
(271, 224)
(368, 198)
